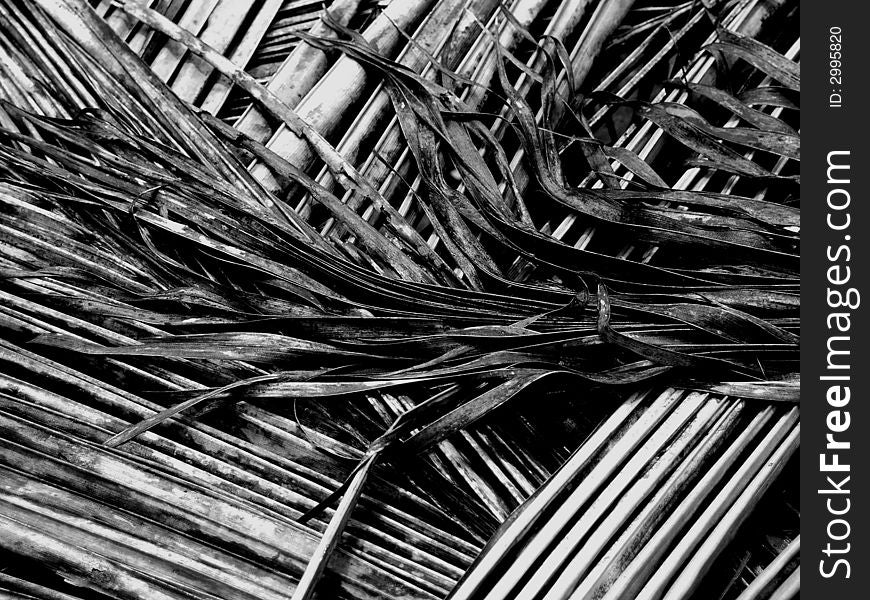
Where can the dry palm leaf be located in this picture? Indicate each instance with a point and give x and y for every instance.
(234, 296)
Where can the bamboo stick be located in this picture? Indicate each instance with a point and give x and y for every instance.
(317, 563)
(790, 588)
(652, 514)
(297, 74)
(690, 577)
(525, 519)
(331, 98)
(208, 515)
(772, 575)
(567, 571)
(779, 441)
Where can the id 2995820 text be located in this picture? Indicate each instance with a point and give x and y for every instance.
(835, 67)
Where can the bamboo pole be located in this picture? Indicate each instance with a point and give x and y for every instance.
(330, 99)
(299, 72)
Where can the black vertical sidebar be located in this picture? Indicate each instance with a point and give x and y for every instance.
(835, 267)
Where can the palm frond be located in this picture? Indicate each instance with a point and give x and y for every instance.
(261, 260)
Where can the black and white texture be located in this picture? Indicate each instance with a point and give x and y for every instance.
(405, 299)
